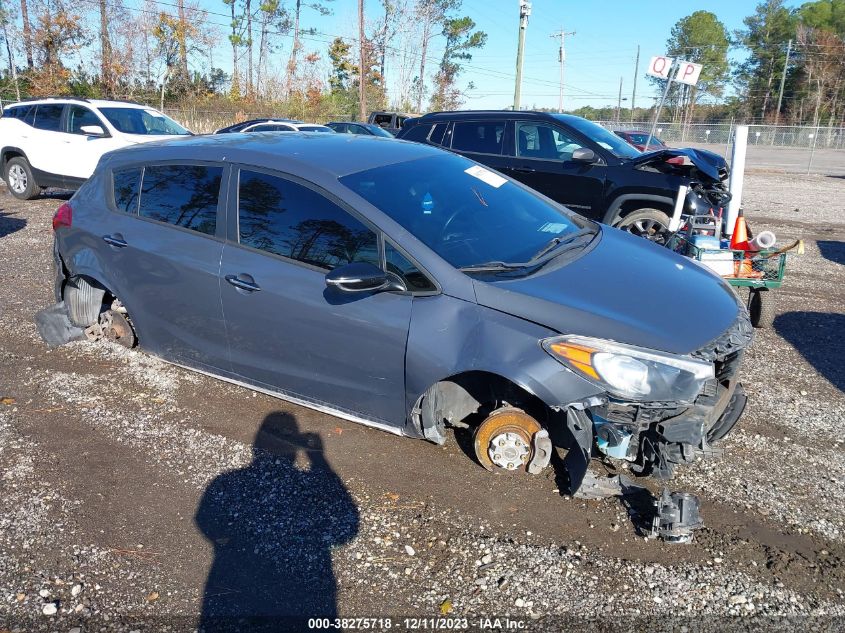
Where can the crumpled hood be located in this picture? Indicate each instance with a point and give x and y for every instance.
(625, 289)
(707, 162)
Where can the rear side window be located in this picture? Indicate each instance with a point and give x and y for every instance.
(182, 195)
(49, 117)
(284, 218)
(418, 133)
(126, 183)
(483, 137)
(438, 133)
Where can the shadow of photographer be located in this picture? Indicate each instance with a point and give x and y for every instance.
(273, 525)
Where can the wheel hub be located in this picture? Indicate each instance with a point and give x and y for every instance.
(509, 451)
(504, 439)
(17, 178)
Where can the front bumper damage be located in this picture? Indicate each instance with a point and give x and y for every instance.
(653, 438)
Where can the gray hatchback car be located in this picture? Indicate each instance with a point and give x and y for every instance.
(406, 288)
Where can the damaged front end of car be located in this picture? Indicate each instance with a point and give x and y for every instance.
(652, 436)
(705, 173)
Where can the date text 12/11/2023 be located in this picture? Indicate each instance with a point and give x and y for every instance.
(419, 624)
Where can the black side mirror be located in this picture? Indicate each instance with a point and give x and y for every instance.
(584, 155)
(361, 277)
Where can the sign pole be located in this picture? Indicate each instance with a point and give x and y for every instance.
(659, 109)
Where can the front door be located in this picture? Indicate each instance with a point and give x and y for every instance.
(542, 159)
(81, 152)
(287, 331)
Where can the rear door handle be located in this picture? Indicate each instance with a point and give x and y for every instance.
(243, 284)
(115, 240)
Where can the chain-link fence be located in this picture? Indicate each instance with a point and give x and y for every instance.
(805, 136)
(789, 148)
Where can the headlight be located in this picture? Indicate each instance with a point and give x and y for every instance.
(629, 372)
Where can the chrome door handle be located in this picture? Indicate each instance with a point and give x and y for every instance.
(243, 285)
(524, 170)
(115, 240)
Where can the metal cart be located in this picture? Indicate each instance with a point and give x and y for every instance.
(759, 271)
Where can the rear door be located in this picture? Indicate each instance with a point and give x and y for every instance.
(287, 331)
(481, 141)
(163, 241)
(541, 157)
(42, 140)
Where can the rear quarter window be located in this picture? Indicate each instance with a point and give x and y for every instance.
(182, 195)
(126, 185)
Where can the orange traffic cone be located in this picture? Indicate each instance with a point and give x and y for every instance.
(739, 238)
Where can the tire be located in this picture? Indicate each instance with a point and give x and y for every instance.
(84, 301)
(762, 307)
(20, 180)
(650, 224)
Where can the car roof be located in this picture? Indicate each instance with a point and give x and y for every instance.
(496, 114)
(235, 127)
(299, 152)
(97, 103)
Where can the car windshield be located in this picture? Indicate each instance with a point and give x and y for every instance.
(466, 213)
(142, 121)
(608, 140)
(640, 138)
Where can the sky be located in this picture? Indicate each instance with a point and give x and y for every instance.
(602, 51)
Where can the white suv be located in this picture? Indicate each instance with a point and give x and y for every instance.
(57, 142)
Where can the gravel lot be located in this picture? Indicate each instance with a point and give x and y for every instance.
(135, 495)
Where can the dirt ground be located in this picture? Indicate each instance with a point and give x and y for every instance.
(135, 495)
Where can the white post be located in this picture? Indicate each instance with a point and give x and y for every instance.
(737, 176)
(680, 201)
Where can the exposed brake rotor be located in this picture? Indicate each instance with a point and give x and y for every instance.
(505, 439)
(116, 328)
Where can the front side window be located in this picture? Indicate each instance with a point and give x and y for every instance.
(401, 266)
(79, 116)
(466, 213)
(340, 128)
(144, 121)
(603, 137)
(538, 140)
(182, 195)
(49, 117)
(284, 218)
(482, 137)
(126, 184)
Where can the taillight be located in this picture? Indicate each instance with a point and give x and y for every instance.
(63, 216)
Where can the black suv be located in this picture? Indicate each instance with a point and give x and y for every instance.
(581, 165)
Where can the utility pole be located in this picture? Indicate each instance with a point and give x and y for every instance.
(524, 12)
(619, 104)
(782, 82)
(562, 58)
(362, 70)
(634, 93)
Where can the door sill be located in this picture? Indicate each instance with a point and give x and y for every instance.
(281, 395)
